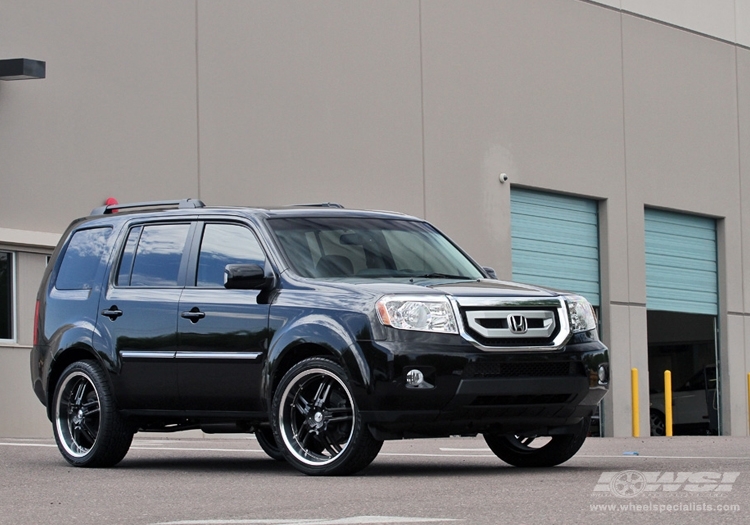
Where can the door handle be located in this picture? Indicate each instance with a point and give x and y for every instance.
(113, 312)
(194, 315)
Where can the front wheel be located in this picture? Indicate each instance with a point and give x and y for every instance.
(535, 451)
(316, 422)
(88, 430)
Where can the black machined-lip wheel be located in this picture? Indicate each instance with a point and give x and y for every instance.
(539, 451)
(316, 421)
(77, 414)
(317, 417)
(88, 429)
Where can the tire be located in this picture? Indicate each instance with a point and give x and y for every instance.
(517, 450)
(265, 438)
(316, 422)
(658, 423)
(88, 430)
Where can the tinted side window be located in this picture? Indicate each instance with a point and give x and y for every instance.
(157, 256)
(224, 244)
(128, 256)
(82, 259)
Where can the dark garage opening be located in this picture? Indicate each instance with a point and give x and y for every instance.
(685, 344)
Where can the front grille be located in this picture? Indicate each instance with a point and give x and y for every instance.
(538, 369)
(511, 327)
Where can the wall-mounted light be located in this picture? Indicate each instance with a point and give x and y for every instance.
(22, 69)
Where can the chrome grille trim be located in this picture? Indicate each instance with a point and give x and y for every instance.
(502, 307)
(547, 318)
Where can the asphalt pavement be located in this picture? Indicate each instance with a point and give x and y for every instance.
(230, 481)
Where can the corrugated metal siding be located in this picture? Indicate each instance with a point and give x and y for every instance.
(555, 242)
(681, 274)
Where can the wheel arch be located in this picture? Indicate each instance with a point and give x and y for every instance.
(315, 336)
(62, 360)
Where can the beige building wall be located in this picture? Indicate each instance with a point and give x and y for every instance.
(409, 105)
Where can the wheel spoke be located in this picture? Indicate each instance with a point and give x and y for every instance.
(333, 448)
(526, 441)
(304, 441)
(301, 404)
(322, 395)
(303, 428)
(89, 432)
(341, 418)
(78, 396)
(77, 438)
(92, 407)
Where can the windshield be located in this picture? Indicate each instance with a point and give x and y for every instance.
(350, 247)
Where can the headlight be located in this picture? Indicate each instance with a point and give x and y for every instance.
(423, 313)
(580, 313)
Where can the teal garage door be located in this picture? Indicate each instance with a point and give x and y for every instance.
(681, 271)
(555, 242)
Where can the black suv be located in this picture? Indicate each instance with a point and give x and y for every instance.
(322, 330)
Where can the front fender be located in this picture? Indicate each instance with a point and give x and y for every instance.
(309, 331)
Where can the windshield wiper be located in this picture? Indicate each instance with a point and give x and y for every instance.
(436, 275)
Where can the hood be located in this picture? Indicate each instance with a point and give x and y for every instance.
(479, 288)
(491, 288)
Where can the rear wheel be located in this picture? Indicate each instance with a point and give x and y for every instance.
(316, 421)
(538, 451)
(88, 430)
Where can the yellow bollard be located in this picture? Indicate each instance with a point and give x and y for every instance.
(634, 401)
(668, 403)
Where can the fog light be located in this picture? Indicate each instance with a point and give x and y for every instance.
(414, 377)
(602, 374)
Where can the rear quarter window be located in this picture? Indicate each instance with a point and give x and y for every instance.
(82, 258)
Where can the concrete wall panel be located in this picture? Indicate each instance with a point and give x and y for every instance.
(311, 102)
(743, 98)
(681, 132)
(733, 376)
(715, 18)
(114, 117)
(743, 22)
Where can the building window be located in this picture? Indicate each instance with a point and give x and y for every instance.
(6, 296)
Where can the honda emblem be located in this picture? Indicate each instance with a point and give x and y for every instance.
(517, 324)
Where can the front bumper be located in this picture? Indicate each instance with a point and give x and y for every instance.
(469, 391)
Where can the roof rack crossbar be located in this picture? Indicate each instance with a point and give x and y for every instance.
(321, 205)
(181, 203)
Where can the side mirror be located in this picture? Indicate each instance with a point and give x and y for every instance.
(490, 271)
(245, 277)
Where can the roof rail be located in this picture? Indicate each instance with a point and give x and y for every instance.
(182, 203)
(320, 205)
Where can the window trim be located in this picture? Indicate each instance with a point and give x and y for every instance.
(13, 301)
